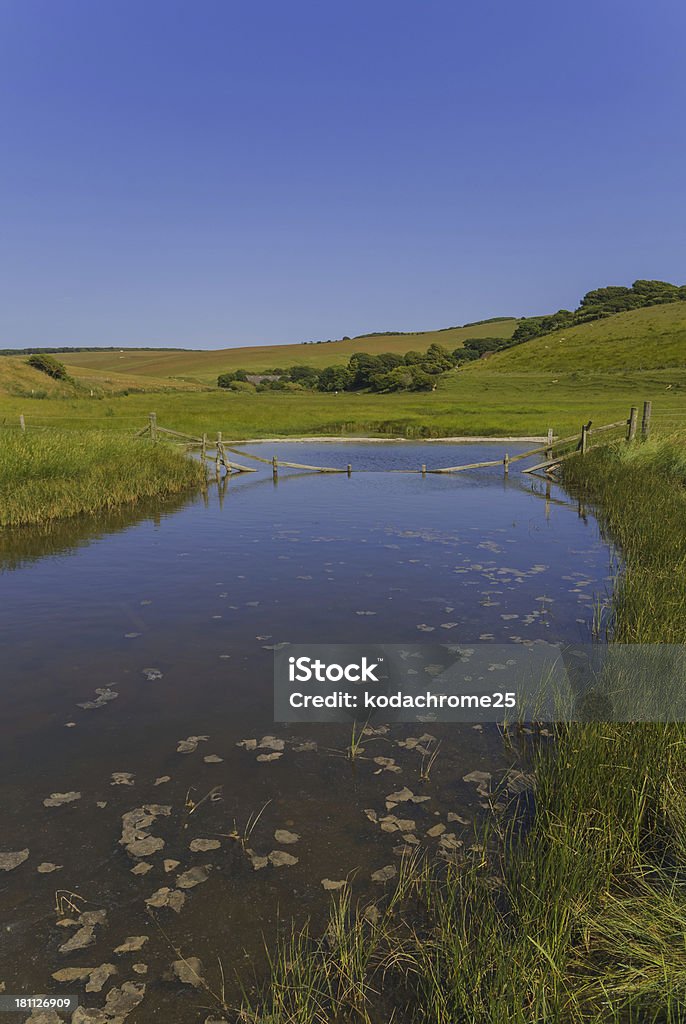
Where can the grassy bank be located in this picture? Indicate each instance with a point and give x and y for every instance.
(47, 475)
(578, 917)
(495, 404)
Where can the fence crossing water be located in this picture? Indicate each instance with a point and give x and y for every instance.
(215, 451)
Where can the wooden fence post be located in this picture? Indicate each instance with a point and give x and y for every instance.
(645, 424)
(275, 468)
(217, 463)
(423, 470)
(203, 453)
(350, 470)
(153, 426)
(633, 424)
(506, 464)
(549, 449)
(22, 422)
(584, 439)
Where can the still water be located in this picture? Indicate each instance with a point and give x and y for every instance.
(165, 619)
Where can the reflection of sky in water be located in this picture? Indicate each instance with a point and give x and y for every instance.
(176, 614)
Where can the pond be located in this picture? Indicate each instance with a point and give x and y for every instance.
(126, 635)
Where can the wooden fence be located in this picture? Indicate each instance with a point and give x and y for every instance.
(215, 451)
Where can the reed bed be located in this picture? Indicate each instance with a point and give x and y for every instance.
(50, 474)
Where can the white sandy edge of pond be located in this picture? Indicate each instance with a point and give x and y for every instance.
(341, 439)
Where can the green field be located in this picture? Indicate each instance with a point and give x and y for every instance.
(205, 366)
(595, 371)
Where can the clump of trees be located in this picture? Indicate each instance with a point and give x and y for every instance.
(385, 372)
(599, 303)
(46, 364)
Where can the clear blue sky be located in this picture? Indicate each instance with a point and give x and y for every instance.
(224, 172)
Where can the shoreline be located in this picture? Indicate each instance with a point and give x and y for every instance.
(329, 439)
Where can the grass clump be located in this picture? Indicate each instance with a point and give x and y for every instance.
(50, 475)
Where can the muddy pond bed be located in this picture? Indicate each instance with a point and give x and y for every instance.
(152, 810)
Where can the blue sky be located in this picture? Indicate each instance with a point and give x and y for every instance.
(218, 172)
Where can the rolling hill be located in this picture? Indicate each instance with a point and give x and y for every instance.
(204, 366)
(652, 338)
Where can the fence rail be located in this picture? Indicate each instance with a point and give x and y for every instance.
(548, 449)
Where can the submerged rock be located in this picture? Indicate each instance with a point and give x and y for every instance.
(10, 861)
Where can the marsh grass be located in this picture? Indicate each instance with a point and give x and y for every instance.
(576, 913)
(50, 474)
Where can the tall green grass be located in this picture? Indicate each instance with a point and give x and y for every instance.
(578, 913)
(47, 475)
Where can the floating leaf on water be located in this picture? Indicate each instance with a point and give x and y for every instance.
(424, 628)
(170, 865)
(388, 763)
(142, 868)
(203, 845)
(132, 944)
(269, 757)
(257, 861)
(57, 799)
(131, 636)
(195, 876)
(10, 861)
(449, 841)
(271, 743)
(121, 1001)
(375, 730)
(166, 897)
(365, 613)
(436, 830)
(302, 748)
(190, 744)
(104, 696)
(371, 814)
(189, 971)
(213, 759)
(99, 976)
(330, 885)
(281, 859)
(72, 725)
(248, 744)
(101, 803)
(385, 874)
(47, 867)
(122, 779)
(477, 776)
(140, 968)
(457, 818)
(151, 674)
(372, 914)
(145, 847)
(162, 779)
(70, 974)
(85, 936)
(285, 837)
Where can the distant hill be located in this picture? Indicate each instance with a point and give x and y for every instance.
(204, 366)
(651, 338)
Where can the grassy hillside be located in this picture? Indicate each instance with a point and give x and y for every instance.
(19, 379)
(642, 339)
(205, 366)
